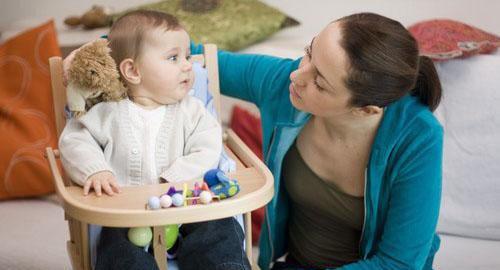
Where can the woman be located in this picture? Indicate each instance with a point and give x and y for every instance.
(354, 148)
(355, 151)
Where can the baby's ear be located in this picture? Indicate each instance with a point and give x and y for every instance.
(129, 71)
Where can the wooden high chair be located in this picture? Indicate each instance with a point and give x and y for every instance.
(128, 208)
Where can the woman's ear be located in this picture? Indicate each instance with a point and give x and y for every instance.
(129, 71)
(368, 110)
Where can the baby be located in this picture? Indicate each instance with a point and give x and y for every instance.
(157, 133)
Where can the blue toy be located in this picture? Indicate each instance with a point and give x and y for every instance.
(220, 184)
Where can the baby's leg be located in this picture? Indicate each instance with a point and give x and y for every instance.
(212, 245)
(115, 251)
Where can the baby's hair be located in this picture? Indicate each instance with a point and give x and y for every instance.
(127, 34)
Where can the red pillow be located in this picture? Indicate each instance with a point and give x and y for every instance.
(248, 128)
(26, 112)
(447, 39)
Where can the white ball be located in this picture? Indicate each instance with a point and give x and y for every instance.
(177, 199)
(165, 201)
(205, 197)
(154, 203)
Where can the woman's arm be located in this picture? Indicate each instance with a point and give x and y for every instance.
(411, 221)
(251, 77)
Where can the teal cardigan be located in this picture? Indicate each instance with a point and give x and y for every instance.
(403, 179)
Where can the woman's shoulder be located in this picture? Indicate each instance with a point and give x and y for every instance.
(407, 126)
(409, 113)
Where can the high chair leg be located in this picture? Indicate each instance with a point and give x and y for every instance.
(159, 247)
(84, 233)
(248, 236)
(77, 245)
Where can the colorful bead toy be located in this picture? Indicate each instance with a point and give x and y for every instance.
(216, 185)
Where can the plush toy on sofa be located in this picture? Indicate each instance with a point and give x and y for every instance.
(97, 16)
(92, 77)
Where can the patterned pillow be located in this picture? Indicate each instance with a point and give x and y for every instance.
(232, 25)
(447, 39)
(27, 119)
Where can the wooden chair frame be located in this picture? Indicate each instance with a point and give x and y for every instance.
(128, 208)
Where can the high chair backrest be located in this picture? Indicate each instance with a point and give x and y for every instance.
(208, 60)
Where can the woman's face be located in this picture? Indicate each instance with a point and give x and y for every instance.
(317, 86)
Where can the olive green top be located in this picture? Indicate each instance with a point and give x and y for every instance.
(324, 226)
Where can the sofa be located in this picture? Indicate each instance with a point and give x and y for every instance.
(33, 232)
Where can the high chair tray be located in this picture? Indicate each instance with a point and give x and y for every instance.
(127, 209)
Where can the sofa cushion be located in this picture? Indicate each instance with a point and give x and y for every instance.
(447, 39)
(26, 112)
(34, 235)
(469, 113)
(232, 25)
(464, 253)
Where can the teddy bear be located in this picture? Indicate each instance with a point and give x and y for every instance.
(97, 16)
(92, 77)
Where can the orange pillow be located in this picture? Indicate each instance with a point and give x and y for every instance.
(27, 120)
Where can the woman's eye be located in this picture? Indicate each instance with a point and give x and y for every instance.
(317, 85)
(307, 50)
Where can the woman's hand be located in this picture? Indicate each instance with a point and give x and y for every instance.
(67, 62)
(104, 180)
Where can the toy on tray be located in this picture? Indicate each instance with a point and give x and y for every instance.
(216, 185)
(220, 184)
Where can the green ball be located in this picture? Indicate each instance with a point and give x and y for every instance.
(171, 234)
(140, 236)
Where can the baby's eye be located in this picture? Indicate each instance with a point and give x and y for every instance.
(172, 58)
(188, 57)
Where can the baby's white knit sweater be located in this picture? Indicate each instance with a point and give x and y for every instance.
(188, 143)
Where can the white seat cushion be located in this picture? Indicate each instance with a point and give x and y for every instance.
(461, 253)
(470, 115)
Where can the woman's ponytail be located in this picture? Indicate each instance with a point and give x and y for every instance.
(428, 86)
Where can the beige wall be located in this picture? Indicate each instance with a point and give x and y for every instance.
(483, 13)
(313, 15)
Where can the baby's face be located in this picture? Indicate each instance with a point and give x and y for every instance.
(164, 67)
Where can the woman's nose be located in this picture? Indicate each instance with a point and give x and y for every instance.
(300, 76)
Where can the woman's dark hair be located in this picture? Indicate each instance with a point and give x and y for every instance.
(384, 62)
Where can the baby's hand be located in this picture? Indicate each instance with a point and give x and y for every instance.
(104, 180)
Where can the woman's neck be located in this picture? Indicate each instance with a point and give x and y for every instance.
(348, 127)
